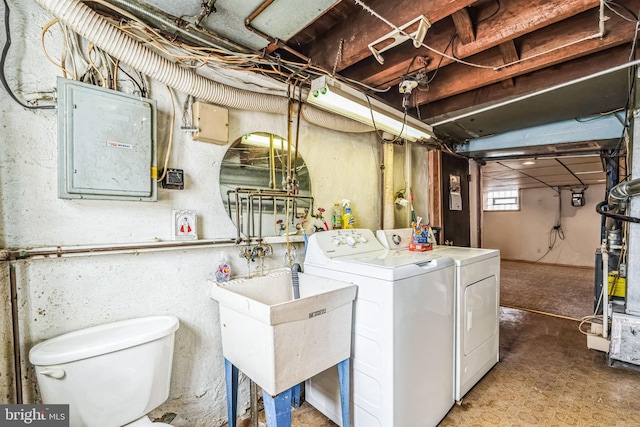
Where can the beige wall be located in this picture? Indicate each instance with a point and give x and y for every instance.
(524, 235)
(58, 295)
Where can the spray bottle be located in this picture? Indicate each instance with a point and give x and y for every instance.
(348, 219)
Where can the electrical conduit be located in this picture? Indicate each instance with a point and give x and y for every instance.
(116, 43)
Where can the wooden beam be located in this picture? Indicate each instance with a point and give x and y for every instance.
(509, 52)
(364, 28)
(546, 48)
(529, 83)
(464, 26)
(509, 55)
(519, 17)
(508, 83)
(514, 19)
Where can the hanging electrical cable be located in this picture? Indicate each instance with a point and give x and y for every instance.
(3, 58)
(556, 233)
(170, 140)
(603, 210)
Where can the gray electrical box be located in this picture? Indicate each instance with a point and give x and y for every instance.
(106, 144)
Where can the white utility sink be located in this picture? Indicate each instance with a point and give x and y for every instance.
(278, 341)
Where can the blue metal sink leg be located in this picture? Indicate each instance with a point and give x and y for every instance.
(231, 375)
(343, 378)
(278, 408)
(296, 396)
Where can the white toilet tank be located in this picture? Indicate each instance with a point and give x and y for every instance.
(110, 375)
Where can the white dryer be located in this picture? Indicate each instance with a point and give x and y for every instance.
(403, 340)
(477, 306)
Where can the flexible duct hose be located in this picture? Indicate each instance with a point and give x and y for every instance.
(295, 280)
(332, 121)
(116, 43)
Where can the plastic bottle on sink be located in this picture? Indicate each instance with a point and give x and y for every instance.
(223, 271)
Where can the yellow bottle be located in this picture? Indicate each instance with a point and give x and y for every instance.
(348, 219)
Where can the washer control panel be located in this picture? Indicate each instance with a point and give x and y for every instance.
(335, 243)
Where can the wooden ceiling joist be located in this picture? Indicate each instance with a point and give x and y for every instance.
(545, 48)
(464, 26)
(531, 82)
(365, 28)
(515, 19)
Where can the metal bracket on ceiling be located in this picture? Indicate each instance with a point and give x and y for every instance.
(400, 36)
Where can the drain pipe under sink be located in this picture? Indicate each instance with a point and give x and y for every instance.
(295, 280)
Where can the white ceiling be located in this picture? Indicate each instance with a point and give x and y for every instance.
(228, 20)
(568, 172)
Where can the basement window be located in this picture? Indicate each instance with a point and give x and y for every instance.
(506, 200)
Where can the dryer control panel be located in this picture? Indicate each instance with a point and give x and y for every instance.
(398, 238)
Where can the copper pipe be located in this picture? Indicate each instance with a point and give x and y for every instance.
(258, 11)
(59, 251)
(272, 40)
(17, 364)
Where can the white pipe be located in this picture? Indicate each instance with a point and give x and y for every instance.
(118, 44)
(601, 19)
(388, 198)
(605, 289)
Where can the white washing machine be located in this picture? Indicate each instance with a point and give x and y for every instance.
(477, 306)
(403, 339)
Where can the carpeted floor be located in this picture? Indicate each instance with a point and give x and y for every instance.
(560, 290)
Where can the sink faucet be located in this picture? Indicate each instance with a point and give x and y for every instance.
(257, 252)
(246, 253)
(261, 251)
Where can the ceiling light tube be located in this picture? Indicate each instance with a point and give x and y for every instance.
(334, 96)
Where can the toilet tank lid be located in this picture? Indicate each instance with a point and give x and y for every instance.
(102, 339)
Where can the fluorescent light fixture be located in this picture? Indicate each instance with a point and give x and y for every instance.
(264, 140)
(329, 94)
(529, 162)
(588, 172)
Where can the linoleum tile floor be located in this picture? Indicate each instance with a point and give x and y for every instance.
(546, 377)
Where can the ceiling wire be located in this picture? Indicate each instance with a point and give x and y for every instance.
(460, 61)
(529, 176)
(571, 172)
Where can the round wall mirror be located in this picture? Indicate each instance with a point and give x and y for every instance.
(265, 185)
